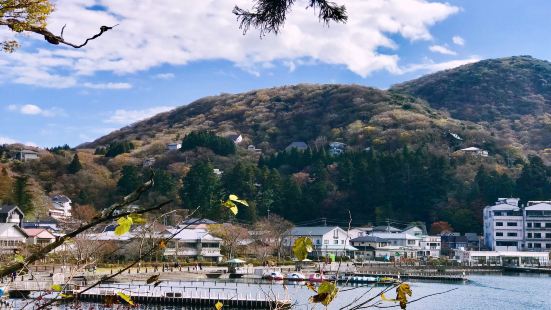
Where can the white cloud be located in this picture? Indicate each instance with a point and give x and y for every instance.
(430, 66)
(164, 76)
(115, 86)
(32, 109)
(126, 117)
(457, 40)
(441, 50)
(175, 32)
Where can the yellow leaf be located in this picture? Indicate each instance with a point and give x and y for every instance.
(383, 297)
(19, 258)
(401, 294)
(162, 244)
(124, 225)
(234, 198)
(125, 298)
(311, 286)
(137, 219)
(230, 205)
(56, 288)
(218, 305)
(302, 247)
(65, 295)
(327, 291)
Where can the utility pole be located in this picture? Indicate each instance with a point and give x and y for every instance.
(324, 221)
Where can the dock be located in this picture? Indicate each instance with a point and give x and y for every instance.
(356, 277)
(184, 296)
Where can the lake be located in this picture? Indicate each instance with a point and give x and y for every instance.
(508, 291)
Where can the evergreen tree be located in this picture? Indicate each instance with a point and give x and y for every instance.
(533, 182)
(130, 180)
(6, 184)
(21, 195)
(74, 166)
(201, 189)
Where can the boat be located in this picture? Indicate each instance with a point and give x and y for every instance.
(316, 277)
(295, 276)
(274, 275)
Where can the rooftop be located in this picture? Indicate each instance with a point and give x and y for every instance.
(368, 239)
(311, 231)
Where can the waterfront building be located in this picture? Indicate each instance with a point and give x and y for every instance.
(368, 246)
(195, 244)
(328, 241)
(537, 217)
(60, 208)
(430, 246)
(511, 227)
(503, 225)
(502, 258)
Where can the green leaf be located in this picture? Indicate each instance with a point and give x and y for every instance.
(327, 292)
(56, 288)
(230, 205)
(302, 247)
(125, 298)
(19, 258)
(124, 225)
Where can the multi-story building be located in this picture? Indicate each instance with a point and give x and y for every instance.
(430, 246)
(510, 227)
(537, 217)
(503, 225)
(328, 241)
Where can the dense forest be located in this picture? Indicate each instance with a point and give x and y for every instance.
(402, 156)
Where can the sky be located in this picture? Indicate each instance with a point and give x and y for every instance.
(168, 53)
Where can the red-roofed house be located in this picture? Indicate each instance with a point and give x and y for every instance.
(39, 236)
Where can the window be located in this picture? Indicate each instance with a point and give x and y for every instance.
(499, 234)
(325, 241)
(548, 246)
(335, 241)
(547, 225)
(529, 225)
(511, 224)
(529, 235)
(499, 223)
(512, 234)
(529, 245)
(411, 242)
(537, 235)
(336, 233)
(318, 241)
(537, 225)
(342, 241)
(506, 243)
(537, 245)
(548, 235)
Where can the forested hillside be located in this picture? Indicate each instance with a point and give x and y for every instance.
(400, 157)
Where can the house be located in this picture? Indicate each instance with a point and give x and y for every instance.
(328, 241)
(367, 246)
(236, 138)
(60, 208)
(360, 232)
(386, 229)
(400, 239)
(217, 172)
(11, 214)
(39, 236)
(252, 148)
(298, 145)
(473, 151)
(173, 146)
(336, 148)
(430, 246)
(451, 242)
(196, 244)
(25, 155)
(196, 223)
(12, 237)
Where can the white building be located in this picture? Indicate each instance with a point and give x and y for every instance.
(537, 218)
(327, 240)
(236, 138)
(474, 151)
(502, 258)
(194, 244)
(336, 148)
(12, 237)
(25, 155)
(60, 208)
(503, 225)
(11, 214)
(173, 146)
(430, 246)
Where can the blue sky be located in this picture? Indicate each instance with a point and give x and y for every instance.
(54, 95)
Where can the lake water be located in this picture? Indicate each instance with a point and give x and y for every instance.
(488, 292)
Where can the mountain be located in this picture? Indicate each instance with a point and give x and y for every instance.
(511, 97)
(273, 118)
